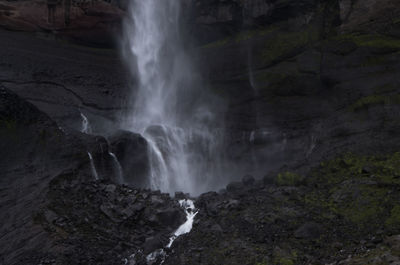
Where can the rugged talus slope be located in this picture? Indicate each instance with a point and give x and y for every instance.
(345, 211)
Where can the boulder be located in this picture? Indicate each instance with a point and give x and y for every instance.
(248, 180)
(131, 149)
(234, 186)
(309, 230)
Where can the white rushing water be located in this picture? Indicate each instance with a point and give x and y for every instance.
(172, 109)
(117, 168)
(160, 254)
(186, 227)
(93, 167)
(85, 124)
(86, 129)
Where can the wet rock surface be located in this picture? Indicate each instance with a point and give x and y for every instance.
(131, 150)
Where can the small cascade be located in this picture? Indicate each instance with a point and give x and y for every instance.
(85, 124)
(181, 159)
(186, 227)
(94, 171)
(252, 137)
(158, 167)
(118, 168)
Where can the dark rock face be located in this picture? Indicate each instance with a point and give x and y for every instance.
(131, 150)
(217, 19)
(94, 23)
(33, 150)
(305, 89)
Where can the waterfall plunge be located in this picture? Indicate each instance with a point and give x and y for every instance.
(172, 109)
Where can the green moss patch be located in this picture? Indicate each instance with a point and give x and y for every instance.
(375, 41)
(10, 125)
(285, 43)
(241, 36)
(361, 190)
(394, 220)
(375, 100)
(289, 179)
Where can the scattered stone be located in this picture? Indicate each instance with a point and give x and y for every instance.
(234, 186)
(110, 188)
(248, 180)
(50, 216)
(309, 230)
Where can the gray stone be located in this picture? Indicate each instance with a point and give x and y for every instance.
(309, 230)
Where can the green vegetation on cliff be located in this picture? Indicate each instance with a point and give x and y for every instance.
(371, 40)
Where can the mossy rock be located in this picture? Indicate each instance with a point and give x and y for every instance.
(240, 37)
(287, 44)
(371, 40)
(284, 257)
(393, 222)
(361, 190)
(374, 100)
(289, 179)
(8, 126)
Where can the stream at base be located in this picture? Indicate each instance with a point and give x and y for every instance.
(159, 255)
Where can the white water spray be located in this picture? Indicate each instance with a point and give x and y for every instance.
(94, 171)
(172, 109)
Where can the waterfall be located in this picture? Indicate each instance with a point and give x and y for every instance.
(93, 167)
(118, 168)
(173, 110)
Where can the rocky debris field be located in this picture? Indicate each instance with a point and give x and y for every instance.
(345, 211)
(100, 223)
